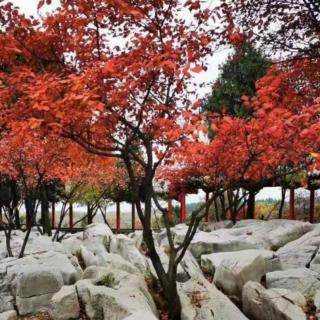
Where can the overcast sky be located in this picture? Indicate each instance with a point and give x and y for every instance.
(29, 7)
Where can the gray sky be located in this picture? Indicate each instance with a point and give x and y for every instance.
(29, 7)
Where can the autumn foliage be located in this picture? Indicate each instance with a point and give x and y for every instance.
(103, 93)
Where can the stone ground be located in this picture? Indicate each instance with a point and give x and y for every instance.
(258, 270)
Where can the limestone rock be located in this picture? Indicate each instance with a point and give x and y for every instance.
(261, 304)
(302, 280)
(257, 234)
(302, 252)
(34, 304)
(35, 281)
(225, 224)
(64, 304)
(9, 315)
(201, 300)
(125, 247)
(100, 232)
(129, 298)
(6, 301)
(233, 269)
(316, 302)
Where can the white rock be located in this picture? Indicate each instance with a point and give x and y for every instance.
(37, 245)
(88, 257)
(211, 261)
(299, 257)
(6, 301)
(9, 315)
(217, 241)
(201, 300)
(68, 267)
(130, 298)
(125, 247)
(299, 253)
(64, 304)
(233, 269)
(35, 281)
(100, 232)
(268, 235)
(261, 304)
(33, 304)
(73, 243)
(225, 224)
(296, 297)
(248, 223)
(302, 280)
(316, 302)
(33, 287)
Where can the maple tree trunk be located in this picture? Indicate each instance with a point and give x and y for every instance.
(30, 214)
(216, 210)
(174, 304)
(291, 213)
(118, 217)
(7, 232)
(311, 215)
(183, 208)
(17, 219)
(45, 219)
(223, 207)
(8, 242)
(89, 214)
(167, 279)
(251, 204)
(206, 218)
(71, 215)
(53, 215)
(133, 217)
(283, 198)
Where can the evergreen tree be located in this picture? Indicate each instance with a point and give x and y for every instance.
(238, 77)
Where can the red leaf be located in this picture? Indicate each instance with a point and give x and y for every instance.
(197, 69)
(40, 4)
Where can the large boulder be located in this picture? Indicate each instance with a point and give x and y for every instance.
(9, 315)
(302, 280)
(316, 302)
(201, 300)
(33, 287)
(98, 232)
(210, 262)
(125, 247)
(6, 301)
(38, 244)
(299, 257)
(35, 281)
(125, 297)
(89, 258)
(269, 235)
(72, 243)
(68, 266)
(64, 304)
(224, 224)
(30, 282)
(300, 252)
(217, 241)
(261, 304)
(315, 262)
(233, 269)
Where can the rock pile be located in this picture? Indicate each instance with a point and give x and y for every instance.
(268, 268)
